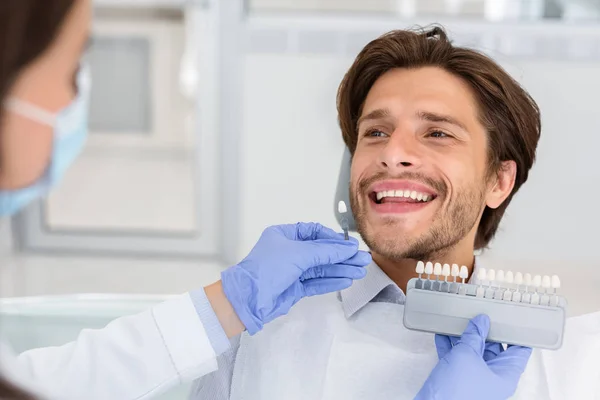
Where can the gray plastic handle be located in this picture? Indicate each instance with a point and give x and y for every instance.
(511, 323)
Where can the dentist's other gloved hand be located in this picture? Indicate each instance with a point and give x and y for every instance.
(290, 262)
(471, 369)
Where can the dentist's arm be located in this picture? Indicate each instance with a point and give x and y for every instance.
(471, 369)
(141, 356)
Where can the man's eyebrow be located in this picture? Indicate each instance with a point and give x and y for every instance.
(375, 114)
(433, 117)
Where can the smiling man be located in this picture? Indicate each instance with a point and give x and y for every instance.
(441, 139)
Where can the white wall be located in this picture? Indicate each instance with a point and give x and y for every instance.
(292, 149)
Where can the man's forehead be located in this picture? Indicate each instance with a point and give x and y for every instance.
(423, 90)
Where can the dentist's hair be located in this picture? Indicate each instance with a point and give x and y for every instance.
(509, 114)
(27, 29)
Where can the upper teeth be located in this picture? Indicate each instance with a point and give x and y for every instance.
(404, 193)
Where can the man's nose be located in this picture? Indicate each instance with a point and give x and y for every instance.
(402, 151)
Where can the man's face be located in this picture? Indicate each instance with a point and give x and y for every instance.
(419, 180)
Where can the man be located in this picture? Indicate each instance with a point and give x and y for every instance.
(442, 138)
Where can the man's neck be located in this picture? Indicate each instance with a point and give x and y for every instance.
(402, 271)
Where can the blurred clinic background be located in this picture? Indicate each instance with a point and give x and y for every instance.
(212, 119)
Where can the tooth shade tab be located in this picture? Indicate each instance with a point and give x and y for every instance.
(446, 270)
(491, 275)
(481, 275)
(527, 279)
(437, 269)
(342, 209)
(500, 276)
(555, 282)
(519, 278)
(455, 270)
(464, 272)
(420, 267)
(429, 268)
(546, 282)
(508, 278)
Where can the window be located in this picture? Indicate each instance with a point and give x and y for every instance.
(148, 181)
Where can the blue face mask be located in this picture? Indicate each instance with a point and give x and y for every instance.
(70, 131)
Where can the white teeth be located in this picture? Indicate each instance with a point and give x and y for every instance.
(414, 195)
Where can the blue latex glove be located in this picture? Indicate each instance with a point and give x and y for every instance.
(471, 369)
(290, 262)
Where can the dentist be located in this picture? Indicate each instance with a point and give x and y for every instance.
(44, 93)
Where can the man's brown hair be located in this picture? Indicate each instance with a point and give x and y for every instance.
(508, 113)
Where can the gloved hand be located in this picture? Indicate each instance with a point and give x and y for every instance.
(288, 263)
(471, 369)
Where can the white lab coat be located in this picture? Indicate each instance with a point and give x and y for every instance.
(134, 357)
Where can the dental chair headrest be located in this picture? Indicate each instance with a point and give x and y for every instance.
(343, 191)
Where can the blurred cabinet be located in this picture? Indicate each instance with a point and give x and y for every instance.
(148, 180)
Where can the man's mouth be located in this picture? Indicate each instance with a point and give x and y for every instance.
(401, 196)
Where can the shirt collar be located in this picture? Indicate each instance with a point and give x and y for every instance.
(376, 286)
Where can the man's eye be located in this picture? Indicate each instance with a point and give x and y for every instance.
(438, 134)
(375, 133)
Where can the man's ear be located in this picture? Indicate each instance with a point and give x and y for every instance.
(503, 184)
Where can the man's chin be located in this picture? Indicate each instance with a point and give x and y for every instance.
(404, 227)
(388, 242)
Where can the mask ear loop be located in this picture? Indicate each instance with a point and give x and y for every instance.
(30, 111)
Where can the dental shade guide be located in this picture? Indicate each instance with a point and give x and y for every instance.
(516, 296)
(526, 298)
(545, 299)
(343, 209)
(428, 271)
(489, 292)
(522, 310)
(454, 272)
(420, 269)
(535, 297)
(555, 283)
(464, 274)
(444, 287)
(508, 293)
(481, 277)
(498, 293)
(437, 271)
